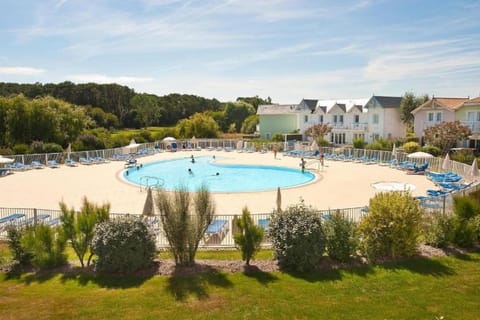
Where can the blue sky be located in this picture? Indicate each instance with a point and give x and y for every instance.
(285, 49)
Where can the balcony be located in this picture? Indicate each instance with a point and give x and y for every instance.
(353, 126)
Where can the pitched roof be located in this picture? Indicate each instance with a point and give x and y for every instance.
(276, 109)
(446, 103)
(310, 103)
(388, 102)
(474, 100)
(358, 107)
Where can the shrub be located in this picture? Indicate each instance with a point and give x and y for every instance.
(432, 150)
(52, 148)
(410, 147)
(465, 208)
(46, 246)
(359, 143)
(341, 238)
(278, 137)
(392, 226)
(463, 156)
(185, 225)
(21, 149)
(439, 230)
(476, 226)
(464, 233)
(14, 239)
(249, 237)
(322, 142)
(123, 245)
(297, 237)
(78, 227)
(380, 144)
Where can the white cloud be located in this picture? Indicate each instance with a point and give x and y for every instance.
(21, 71)
(101, 78)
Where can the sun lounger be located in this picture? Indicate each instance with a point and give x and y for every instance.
(52, 164)
(5, 172)
(71, 163)
(264, 223)
(40, 218)
(216, 231)
(9, 220)
(52, 222)
(36, 164)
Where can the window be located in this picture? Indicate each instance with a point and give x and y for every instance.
(439, 117)
(356, 118)
(375, 119)
(335, 119)
(341, 118)
(321, 118)
(306, 119)
(430, 116)
(478, 116)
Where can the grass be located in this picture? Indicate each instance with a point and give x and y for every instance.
(447, 287)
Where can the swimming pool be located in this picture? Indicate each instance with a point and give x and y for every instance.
(171, 174)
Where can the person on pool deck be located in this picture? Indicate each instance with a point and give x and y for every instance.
(302, 164)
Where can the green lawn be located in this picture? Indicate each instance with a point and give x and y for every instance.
(417, 289)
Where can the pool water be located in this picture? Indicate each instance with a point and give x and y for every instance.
(172, 174)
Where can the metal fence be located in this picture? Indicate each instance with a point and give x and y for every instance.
(219, 233)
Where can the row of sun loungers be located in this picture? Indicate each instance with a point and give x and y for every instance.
(20, 220)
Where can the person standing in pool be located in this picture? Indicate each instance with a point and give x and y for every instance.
(302, 164)
(190, 171)
(193, 159)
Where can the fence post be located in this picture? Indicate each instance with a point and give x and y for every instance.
(34, 216)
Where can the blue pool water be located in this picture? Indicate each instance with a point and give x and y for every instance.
(171, 174)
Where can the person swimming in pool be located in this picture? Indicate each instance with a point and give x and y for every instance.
(190, 171)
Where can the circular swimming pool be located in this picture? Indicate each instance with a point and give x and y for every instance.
(218, 177)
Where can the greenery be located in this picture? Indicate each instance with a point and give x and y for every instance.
(123, 245)
(466, 210)
(19, 253)
(410, 147)
(392, 226)
(464, 156)
(409, 103)
(359, 143)
(249, 237)
(437, 288)
(185, 224)
(341, 237)
(297, 237)
(438, 230)
(198, 125)
(446, 134)
(78, 227)
(381, 144)
(318, 131)
(46, 246)
(435, 151)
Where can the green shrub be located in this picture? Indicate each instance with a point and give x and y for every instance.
(52, 148)
(380, 144)
(21, 148)
(432, 150)
(465, 208)
(392, 226)
(278, 137)
(476, 226)
(439, 230)
(78, 227)
(14, 239)
(46, 246)
(464, 156)
(123, 245)
(411, 147)
(359, 143)
(249, 237)
(341, 238)
(184, 222)
(297, 237)
(322, 142)
(465, 234)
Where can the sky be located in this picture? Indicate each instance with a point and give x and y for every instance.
(284, 49)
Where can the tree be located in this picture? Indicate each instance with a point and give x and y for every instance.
(250, 124)
(199, 125)
(255, 101)
(446, 134)
(79, 227)
(249, 237)
(147, 108)
(408, 104)
(237, 112)
(185, 224)
(318, 130)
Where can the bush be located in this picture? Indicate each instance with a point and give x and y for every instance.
(46, 246)
(322, 142)
(249, 237)
(341, 238)
(380, 144)
(123, 245)
(185, 224)
(432, 150)
(439, 230)
(359, 143)
(21, 149)
(14, 239)
(411, 147)
(278, 137)
(464, 156)
(78, 227)
(392, 226)
(297, 237)
(476, 227)
(466, 210)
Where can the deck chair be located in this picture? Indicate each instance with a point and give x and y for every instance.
(52, 222)
(52, 164)
(40, 218)
(216, 231)
(264, 223)
(10, 219)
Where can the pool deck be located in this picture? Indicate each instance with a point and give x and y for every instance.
(338, 185)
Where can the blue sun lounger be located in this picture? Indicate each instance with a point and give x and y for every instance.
(264, 223)
(40, 218)
(11, 219)
(216, 231)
